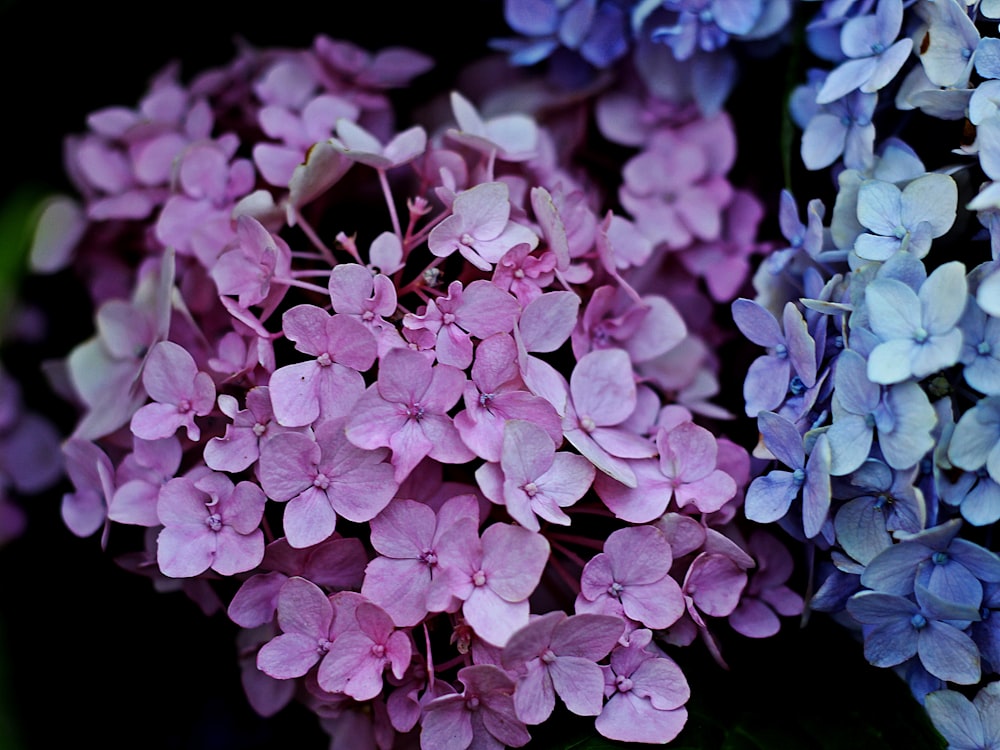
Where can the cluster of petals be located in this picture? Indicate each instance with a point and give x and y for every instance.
(389, 428)
(880, 428)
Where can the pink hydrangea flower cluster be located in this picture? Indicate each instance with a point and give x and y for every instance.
(428, 408)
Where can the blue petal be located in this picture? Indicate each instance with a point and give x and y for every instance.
(948, 653)
(769, 497)
(955, 718)
(894, 571)
(860, 528)
(783, 439)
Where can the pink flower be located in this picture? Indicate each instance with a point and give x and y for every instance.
(329, 384)
(481, 716)
(180, 391)
(323, 478)
(209, 523)
(406, 409)
(532, 480)
(558, 654)
(602, 396)
(407, 535)
(646, 694)
(630, 578)
(496, 394)
(479, 227)
(481, 310)
(685, 473)
(493, 576)
(359, 145)
(767, 595)
(306, 619)
(363, 650)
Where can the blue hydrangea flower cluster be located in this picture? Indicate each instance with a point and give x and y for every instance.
(680, 47)
(877, 396)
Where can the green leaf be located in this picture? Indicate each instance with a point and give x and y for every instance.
(18, 214)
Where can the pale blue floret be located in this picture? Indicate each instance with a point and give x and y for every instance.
(918, 330)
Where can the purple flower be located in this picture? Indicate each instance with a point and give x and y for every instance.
(928, 628)
(533, 480)
(321, 478)
(362, 650)
(329, 384)
(630, 578)
(406, 410)
(770, 497)
(209, 523)
(180, 391)
(481, 716)
(900, 415)
(975, 443)
(948, 566)
(558, 654)
(918, 331)
(791, 353)
(493, 576)
(646, 693)
(874, 55)
(907, 219)
(965, 724)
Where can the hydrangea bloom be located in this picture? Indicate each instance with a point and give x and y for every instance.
(429, 409)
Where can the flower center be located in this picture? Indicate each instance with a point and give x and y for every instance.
(479, 578)
(259, 429)
(984, 348)
(918, 621)
(624, 684)
(798, 476)
(429, 557)
(547, 656)
(587, 423)
(530, 489)
(467, 239)
(322, 481)
(448, 318)
(796, 386)
(615, 589)
(920, 335)
(214, 522)
(939, 558)
(183, 406)
(472, 703)
(323, 360)
(415, 411)
(322, 646)
(781, 351)
(378, 650)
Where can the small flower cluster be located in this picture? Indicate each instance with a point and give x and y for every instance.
(878, 395)
(29, 456)
(420, 408)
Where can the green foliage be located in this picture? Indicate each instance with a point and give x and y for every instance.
(18, 214)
